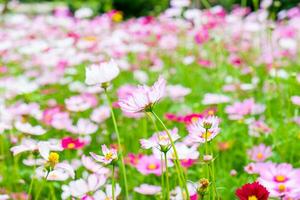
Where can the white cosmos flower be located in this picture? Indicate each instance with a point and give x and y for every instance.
(103, 73)
(29, 129)
(101, 195)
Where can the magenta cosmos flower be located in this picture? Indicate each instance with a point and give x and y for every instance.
(109, 155)
(144, 98)
(204, 129)
(72, 143)
(260, 153)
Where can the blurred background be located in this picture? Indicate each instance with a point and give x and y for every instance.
(136, 8)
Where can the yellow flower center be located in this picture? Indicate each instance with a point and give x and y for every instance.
(280, 178)
(162, 138)
(71, 145)
(211, 112)
(53, 159)
(108, 156)
(152, 166)
(252, 198)
(259, 156)
(281, 188)
(194, 119)
(206, 135)
(90, 38)
(117, 17)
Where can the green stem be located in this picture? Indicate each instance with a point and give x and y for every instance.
(113, 182)
(162, 172)
(180, 172)
(119, 144)
(167, 177)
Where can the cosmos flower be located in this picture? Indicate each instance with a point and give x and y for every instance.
(103, 73)
(71, 143)
(204, 129)
(58, 171)
(280, 179)
(259, 153)
(83, 127)
(252, 191)
(144, 98)
(100, 114)
(147, 189)
(296, 100)
(160, 140)
(107, 194)
(149, 165)
(93, 166)
(29, 129)
(177, 92)
(210, 99)
(109, 155)
(82, 188)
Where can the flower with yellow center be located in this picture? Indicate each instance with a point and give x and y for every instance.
(117, 17)
(252, 197)
(71, 146)
(281, 188)
(53, 159)
(151, 166)
(280, 178)
(108, 156)
(259, 156)
(206, 135)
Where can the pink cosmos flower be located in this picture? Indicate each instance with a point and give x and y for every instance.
(109, 155)
(100, 114)
(177, 92)
(83, 127)
(71, 143)
(280, 179)
(149, 165)
(259, 153)
(240, 109)
(29, 129)
(296, 100)
(147, 189)
(258, 127)
(133, 159)
(144, 98)
(80, 103)
(48, 114)
(204, 129)
(210, 99)
(160, 140)
(93, 166)
(125, 92)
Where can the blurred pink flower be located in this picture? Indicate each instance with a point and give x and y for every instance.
(144, 98)
(259, 153)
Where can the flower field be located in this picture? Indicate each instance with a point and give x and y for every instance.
(188, 105)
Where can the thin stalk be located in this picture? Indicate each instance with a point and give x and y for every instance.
(213, 176)
(181, 175)
(207, 164)
(119, 144)
(178, 172)
(31, 182)
(162, 172)
(167, 177)
(113, 182)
